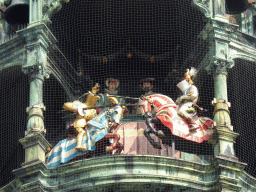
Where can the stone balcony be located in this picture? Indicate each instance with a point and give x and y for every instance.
(139, 168)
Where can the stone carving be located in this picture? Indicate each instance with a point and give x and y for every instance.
(50, 7)
(219, 66)
(35, 119)
(36, 71)
(203, 6)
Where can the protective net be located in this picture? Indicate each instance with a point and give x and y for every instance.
(127, 41)
(14, 100)
(242, 96)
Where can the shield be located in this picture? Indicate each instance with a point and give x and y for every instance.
(183, 85)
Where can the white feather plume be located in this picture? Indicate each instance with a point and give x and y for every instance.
(193, 72)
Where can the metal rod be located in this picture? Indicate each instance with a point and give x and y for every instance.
(173, 148)
(118, 96)
(104, 106)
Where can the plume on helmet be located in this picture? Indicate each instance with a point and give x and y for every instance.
(193, 72)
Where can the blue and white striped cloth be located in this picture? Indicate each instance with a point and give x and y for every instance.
(65, 149)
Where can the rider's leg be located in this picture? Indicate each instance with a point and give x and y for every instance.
(84, 147)
(192, 123)
(79, 138)
(183, 113)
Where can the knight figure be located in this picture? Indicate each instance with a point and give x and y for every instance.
(83, 116)
(187, 102)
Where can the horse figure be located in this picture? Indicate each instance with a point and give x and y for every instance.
(99, 128)
(161, 110)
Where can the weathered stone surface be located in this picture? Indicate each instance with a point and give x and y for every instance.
(132, 172)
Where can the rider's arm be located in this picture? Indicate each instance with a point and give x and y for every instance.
(185, 98)
(69, 107)
(96, 89)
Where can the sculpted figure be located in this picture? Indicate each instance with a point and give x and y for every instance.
(112, 86)
(187, 102)
(147, 86)
(114, 115)
(82, 117)
(99, 129)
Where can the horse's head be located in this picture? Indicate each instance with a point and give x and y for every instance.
(116, 113)
(146, 106)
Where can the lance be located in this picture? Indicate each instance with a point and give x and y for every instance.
(111, 105)
(82, 96)
(118, 96)
(82, 109)
(104, 106)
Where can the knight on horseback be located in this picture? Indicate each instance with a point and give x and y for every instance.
(99, 129)
(164, 116)
(80, 123)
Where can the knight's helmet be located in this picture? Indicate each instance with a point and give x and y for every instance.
(149, 80)
(190, 75)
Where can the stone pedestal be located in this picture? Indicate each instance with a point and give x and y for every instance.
(35, 146)
(229, 174)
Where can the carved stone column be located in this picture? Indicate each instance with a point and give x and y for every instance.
(219, 10)
(36, 106)
(38, 39)
(223, 141)
(226, 136)
(34, 142)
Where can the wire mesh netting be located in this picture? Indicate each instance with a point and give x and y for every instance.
(241, 94)
(126, 41)
(14, 100)
(131, 41)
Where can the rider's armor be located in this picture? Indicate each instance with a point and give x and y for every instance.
(83, 116)
(80, 120)
(186, 102)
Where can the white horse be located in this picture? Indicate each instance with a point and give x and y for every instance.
(163, 112)
(100, 127)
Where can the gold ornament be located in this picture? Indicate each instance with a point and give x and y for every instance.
(105, 59)
(152, 59)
